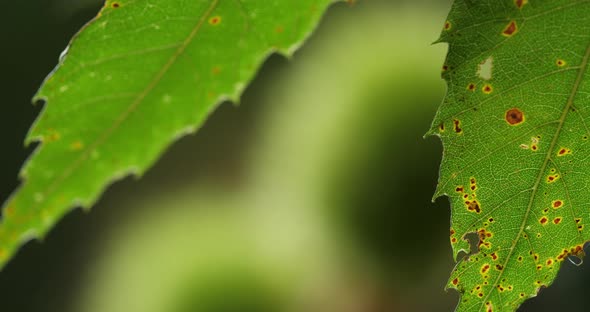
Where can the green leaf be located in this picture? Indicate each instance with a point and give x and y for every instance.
(139, 76)
(514, 126)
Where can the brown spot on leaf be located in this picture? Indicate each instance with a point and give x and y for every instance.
(543, 220)
(457, 126)
(552, 178)
(510, 29)
(514, 116)
(557, 220)
(471, 87)
(473, 206)
(578, 250)
(487, 89)
(557, 204)
(563, 152)
(448, 26)
(455, 281)
(215, 20)
(560, 63)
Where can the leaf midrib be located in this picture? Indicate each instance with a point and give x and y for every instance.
(579, 78)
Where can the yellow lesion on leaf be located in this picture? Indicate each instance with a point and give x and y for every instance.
(51, 136)
(448, 26)
(540, 284)
(549, 262)
(113, 4)
(543, 220)
(485, 268)
(76, 145)
(457, 126)
(520, 3)
(552, 178)
(563, 151)
(473, 206)
(452, 237)
(556, 204)
(215, 20)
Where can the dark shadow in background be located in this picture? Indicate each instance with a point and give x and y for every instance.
(43, 276)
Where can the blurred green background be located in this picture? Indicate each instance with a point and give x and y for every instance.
(312, 195)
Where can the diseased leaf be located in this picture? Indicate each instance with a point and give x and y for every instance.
(140, 75)
(514, 126)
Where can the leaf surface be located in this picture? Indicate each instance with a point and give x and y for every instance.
(140, 75)
(514, 125)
